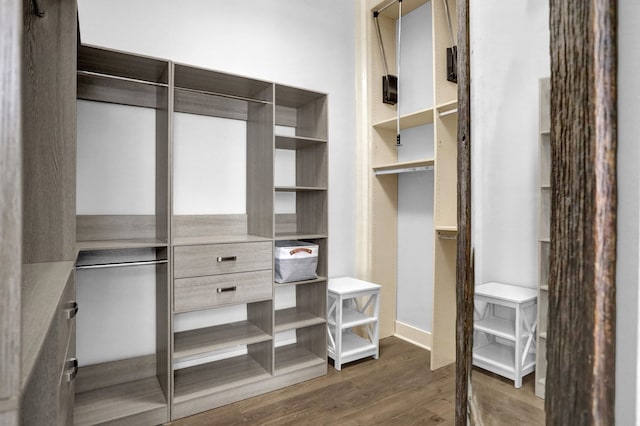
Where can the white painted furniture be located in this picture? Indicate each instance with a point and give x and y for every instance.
(352, 303)
(504, 345)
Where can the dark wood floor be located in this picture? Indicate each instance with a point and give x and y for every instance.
(397, 389)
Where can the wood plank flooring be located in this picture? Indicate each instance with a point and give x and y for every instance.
(397, 389)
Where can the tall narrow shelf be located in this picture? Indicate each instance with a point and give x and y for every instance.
(380, 179)
(544, 236)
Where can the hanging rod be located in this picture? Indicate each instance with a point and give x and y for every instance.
(39, 12)
(445, 113)
(122, 264)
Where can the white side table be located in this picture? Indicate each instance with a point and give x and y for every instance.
(349, 300)
(507, 351)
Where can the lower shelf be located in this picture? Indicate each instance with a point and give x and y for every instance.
(142, 400)
(294, 357)
(501, 359)
(352, 345)
(214, 377)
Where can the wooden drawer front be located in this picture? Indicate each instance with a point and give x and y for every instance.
(216, 290)
(66, 390)
(197, 261)
(65, 317)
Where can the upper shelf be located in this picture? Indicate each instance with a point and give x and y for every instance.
(404, 167)
(296, 142)
(420, 117)
(408, 6)
(407, 121)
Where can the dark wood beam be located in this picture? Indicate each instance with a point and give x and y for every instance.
(464, 267)
(581, 332)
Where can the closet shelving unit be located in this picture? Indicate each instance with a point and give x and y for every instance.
(300, 127)
(381, 179)
(216, 265)
(544, 235)
(134, 389)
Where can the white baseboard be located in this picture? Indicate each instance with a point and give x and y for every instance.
(413, 335)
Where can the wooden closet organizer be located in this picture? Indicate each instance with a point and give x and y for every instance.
(209, 261)
(381, 181)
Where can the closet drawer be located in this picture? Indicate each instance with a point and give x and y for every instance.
(216, 290)
(214, 259)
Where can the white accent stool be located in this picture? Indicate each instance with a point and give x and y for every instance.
(507, 351)
(349, 300)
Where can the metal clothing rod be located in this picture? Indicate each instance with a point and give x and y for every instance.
(382, 52)
(446, 10)
(445, 113)
(122, 264)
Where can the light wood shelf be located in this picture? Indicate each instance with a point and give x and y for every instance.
(297, 142)
(293, 318)
(299, 188)
(218, 376)
(217, 239)
(316, 280)
(116, 403)
(299, 236)
(404, 167)
(119, 244)
(295, 357)
(407, 121)
(208, 339)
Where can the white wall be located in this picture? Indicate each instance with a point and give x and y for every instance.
(509, 53)
(628, 250)
(303, 43)
(414, 305)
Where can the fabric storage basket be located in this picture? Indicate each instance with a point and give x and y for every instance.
(295, 261)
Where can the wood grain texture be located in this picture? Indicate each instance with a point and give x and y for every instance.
(195, 261)
(43, 286)
(101, 88)
(107, 374)
(201, 226)
(10, 200)
(201, 292)
(260, 168)
(189, 77)
(193, 102)
(49, 133)
(117, 227)
(580, 390)
(464, 263)
(122, 64)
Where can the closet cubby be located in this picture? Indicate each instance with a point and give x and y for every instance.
(224, 103)
(122, 190)
(116, 382)
(436, 108)
(308, 352)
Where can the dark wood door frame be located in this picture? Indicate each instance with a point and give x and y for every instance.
(580, 387)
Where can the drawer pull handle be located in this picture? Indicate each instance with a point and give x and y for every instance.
(71, 308)
(227, 259)
(225, 289)
(71, 369)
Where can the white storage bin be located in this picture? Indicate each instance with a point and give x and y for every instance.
(295, 261)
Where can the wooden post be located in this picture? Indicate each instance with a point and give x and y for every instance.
(464, 267)
(581, 333)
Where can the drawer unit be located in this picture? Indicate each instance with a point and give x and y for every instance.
(217, 290)
(214, 259)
